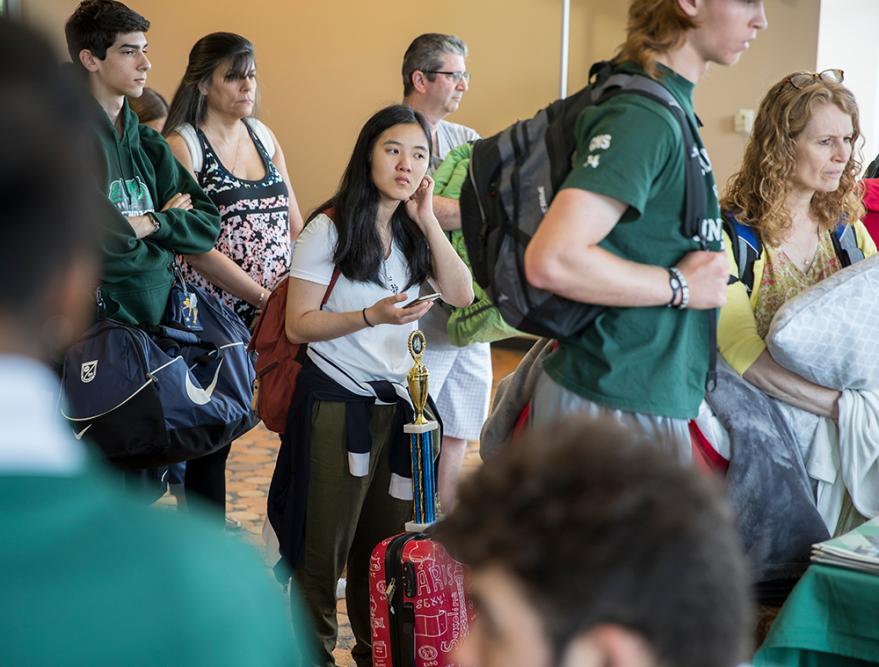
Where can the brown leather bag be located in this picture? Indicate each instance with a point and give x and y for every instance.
(279, 361)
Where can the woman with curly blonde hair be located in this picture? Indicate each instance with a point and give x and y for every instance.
(797, 183)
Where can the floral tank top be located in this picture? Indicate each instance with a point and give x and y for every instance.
(783, 280)
(255, 224)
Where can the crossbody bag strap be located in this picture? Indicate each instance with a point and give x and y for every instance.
(336, 273)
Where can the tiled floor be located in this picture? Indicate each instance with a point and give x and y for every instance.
(249, 472)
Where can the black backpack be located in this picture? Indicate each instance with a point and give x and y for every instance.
(512, 178)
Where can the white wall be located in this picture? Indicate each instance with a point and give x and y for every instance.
(847, 39)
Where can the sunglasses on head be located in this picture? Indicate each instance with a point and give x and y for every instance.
(802, 79)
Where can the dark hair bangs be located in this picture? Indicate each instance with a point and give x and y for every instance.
(241, 65)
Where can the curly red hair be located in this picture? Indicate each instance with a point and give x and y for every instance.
(757, 193)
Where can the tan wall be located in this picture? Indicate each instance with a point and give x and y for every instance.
(325, 66)
(844, 23)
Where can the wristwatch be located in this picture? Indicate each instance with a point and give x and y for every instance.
(156, 224)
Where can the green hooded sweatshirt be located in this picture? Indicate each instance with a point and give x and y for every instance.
(140, 176)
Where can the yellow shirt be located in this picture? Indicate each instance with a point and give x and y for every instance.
(739, 338)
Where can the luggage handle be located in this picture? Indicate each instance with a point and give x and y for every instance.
(407, 635)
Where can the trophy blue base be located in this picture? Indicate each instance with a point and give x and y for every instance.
(422, 445)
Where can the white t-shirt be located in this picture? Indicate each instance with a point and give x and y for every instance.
(451, 135)
(376, 353)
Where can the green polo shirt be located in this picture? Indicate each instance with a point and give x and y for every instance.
(648, 360)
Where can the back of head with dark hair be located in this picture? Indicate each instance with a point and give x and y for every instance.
(96, 24)
(359, 251)
(425, 53)
(149, 106)
(208, 53)
(599, 527)
(48, 205)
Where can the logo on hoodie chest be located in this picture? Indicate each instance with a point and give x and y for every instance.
(131, 196)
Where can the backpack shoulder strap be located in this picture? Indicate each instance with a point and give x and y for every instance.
(695, 195)
(746, 247)
(336, 273)
(190, 136)
(845, 243)
(263, 134)
(330, 213)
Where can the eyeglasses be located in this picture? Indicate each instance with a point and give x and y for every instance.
(457, 77)
(803, 79)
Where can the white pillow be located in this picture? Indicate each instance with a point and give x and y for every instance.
(829, 334)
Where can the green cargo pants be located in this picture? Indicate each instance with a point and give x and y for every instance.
(346, 517)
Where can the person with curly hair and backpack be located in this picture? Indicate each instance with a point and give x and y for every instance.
(796, 189)
(792, 219)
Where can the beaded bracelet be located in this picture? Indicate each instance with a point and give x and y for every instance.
(678, 285)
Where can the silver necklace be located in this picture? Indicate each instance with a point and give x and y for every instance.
(225, 146)
(387, 279)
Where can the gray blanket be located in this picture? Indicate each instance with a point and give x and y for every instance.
(767, 482)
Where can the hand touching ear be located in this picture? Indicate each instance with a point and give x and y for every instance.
(420, 204)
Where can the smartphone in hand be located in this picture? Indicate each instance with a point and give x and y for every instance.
(422, 299)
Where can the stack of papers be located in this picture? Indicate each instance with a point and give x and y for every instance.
(857, 550)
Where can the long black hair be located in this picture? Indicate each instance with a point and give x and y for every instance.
(359, 252)
(206, 55)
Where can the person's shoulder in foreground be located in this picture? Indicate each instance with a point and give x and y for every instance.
(629, 559)
(94, 576)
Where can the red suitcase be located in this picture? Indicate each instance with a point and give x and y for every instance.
(417, 606)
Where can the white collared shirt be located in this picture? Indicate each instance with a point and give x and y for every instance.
(34, 440)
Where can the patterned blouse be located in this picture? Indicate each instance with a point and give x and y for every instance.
(783, 280)
(255, 229)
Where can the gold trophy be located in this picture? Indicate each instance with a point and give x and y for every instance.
(418, 378)
(421, 438)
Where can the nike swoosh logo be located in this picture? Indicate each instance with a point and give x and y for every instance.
(79, 435)
(202, 396)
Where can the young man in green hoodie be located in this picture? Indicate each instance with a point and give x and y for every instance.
(157, 209)
(161, 211)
